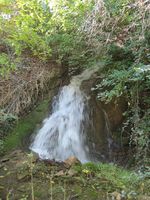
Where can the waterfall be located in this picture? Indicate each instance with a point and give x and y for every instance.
(63, 133)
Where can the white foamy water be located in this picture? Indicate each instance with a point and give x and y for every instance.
(63, 133)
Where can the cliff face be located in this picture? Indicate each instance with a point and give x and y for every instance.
(105, 121)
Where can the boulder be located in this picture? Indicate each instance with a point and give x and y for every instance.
(72, 160)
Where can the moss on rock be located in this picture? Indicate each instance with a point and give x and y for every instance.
(26, 126)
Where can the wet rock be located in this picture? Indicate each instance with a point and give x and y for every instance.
(103, 136)
(115, 110)
(97, 133)
(72, 160)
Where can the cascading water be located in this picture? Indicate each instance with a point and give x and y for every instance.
(63, 133)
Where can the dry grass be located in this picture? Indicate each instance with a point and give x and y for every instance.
(24, 86)
(100, 24)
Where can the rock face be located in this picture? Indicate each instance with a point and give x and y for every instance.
(96, 129)
(71, 161)
(104, 121)
(115, 112)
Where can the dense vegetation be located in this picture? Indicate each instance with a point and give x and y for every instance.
(80, 34)
(74, 34)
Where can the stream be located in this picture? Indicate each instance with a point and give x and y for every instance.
(64, 132)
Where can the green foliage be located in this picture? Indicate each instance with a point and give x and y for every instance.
(116, 7)
(4, 5)
(119, 53)
(119, 81)
(120, 35)
(147, 36)
(127, 183)
(6, 65)
(30, 29)
(131, 83)
(126, 72)
(46, 28)
(107, 171)
(140, 136)
(7, 122)
(113, 86)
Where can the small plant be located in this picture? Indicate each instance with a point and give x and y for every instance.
(7, 122)
(6, 65)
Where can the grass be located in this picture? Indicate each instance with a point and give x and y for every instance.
(26, 126)
(40, 180)
(110, 178)
(116, 175)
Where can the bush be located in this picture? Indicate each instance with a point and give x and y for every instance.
(46, 30)
(6, 65)
(118, 53)
(7, 122)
